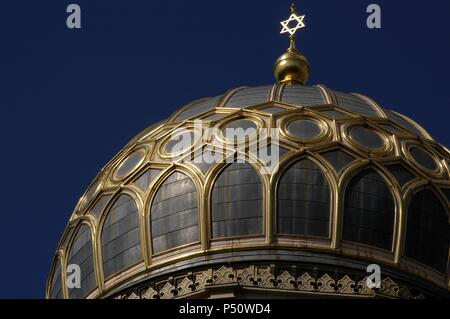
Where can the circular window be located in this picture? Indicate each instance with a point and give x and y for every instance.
(423, 158)
(130, 164)
(367, 138)
(239, 129)
(304, 129)
(181, 142)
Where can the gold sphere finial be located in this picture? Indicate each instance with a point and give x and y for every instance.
(292, 67)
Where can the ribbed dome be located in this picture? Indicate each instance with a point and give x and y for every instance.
(356, 184)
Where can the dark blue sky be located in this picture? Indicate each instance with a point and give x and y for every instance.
(70, 99)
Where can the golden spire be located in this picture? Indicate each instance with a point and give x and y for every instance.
(292, 67)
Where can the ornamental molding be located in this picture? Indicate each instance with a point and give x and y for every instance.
(202, 284)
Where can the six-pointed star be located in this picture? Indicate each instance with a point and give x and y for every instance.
(299, 25)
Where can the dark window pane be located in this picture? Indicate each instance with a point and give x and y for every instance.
(92, 191)
(390, 128)
(269, 154)
(215, 116)
(273, 109)
(400, 121)
(100, 205)
(446, 192)
(423, 158)
(237, 207)
(130, 163)
(206, 158)
(67, 237)
(402, 175)
(81, 255)
(121, 245)
(56, 286)
(249, 97)
(181, 141)
(239, 129)
(303, 201)
(369, 211)
(333, 114)
(427, 233)
(302, 95)
(355, 104)
(144, 181)
(366, 137)
(174, 213)
(197, 108)
(338, 159)
(304, 129)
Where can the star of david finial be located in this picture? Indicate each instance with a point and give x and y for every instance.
(292, 67)
(298, 21)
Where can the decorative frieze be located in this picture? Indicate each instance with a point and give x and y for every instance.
(257, 277)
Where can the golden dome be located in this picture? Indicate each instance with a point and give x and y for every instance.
(353, 180)
(355, 185)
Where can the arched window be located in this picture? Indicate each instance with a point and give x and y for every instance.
(427, 232)
(237, 202)
(369, 211)
(81, 255)
(56, 287)
(121, 245)
(174, 213)
(303, 201)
